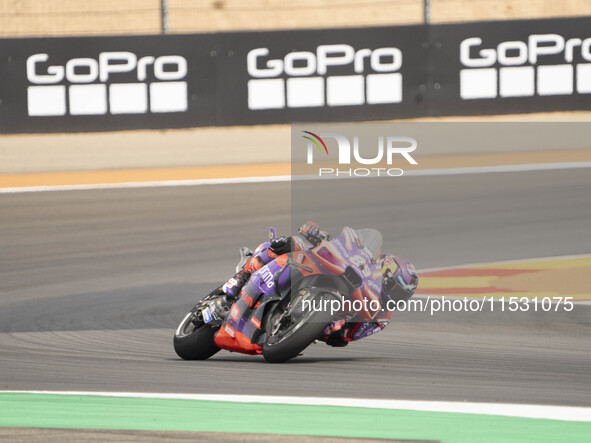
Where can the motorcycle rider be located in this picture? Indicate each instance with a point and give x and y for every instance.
(399, 282)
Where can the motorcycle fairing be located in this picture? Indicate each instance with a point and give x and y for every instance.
(233, 340)
(356, 259)
(243, 329)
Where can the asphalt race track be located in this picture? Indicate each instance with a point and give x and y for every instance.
(93, 284)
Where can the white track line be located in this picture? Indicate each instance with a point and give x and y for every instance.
(506, 168)
(565, 413)
(283, 178)
(150, 184)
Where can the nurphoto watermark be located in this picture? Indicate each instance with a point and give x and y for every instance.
(434, 305)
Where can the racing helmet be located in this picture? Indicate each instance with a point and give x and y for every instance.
(399, 278)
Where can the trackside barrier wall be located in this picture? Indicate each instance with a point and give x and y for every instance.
(179, 81)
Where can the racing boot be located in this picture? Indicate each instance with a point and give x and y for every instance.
(233, 286)
(262, 255)
(334, 335)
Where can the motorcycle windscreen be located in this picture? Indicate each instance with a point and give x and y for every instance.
(372, 239)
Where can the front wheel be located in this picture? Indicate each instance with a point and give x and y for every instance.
(290, 330)
(194, 341)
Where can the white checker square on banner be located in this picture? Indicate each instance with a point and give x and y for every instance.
(46, 100)
(478, 83)
(345, 90)
(128, 98)
(88, 99)
(168, 97)
(384, 88)
(305, 92)
(584, 78)
(555, 80)
(517, 81)
(266, 94)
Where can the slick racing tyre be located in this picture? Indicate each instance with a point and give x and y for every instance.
(290, 330)
(192, 342)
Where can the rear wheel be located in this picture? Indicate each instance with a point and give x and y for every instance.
(194, 340)
(291, 329)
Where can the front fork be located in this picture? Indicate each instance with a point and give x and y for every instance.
(218, 305)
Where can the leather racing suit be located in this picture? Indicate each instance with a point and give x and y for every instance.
(339, 333)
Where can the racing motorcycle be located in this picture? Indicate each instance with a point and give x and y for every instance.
(282, 309)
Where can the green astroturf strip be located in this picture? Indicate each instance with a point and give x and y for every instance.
(91, 412)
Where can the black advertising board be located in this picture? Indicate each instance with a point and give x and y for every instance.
(324, 75)
(512, 67)
(176, 81)
(106, 83)
(111, 83)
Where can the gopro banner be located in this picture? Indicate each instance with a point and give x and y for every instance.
(152, 82)
(512, 67)
(105, 83)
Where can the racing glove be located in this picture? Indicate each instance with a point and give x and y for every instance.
(310, 229)
(311, 232)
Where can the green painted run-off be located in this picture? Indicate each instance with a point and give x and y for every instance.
(94, 412)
